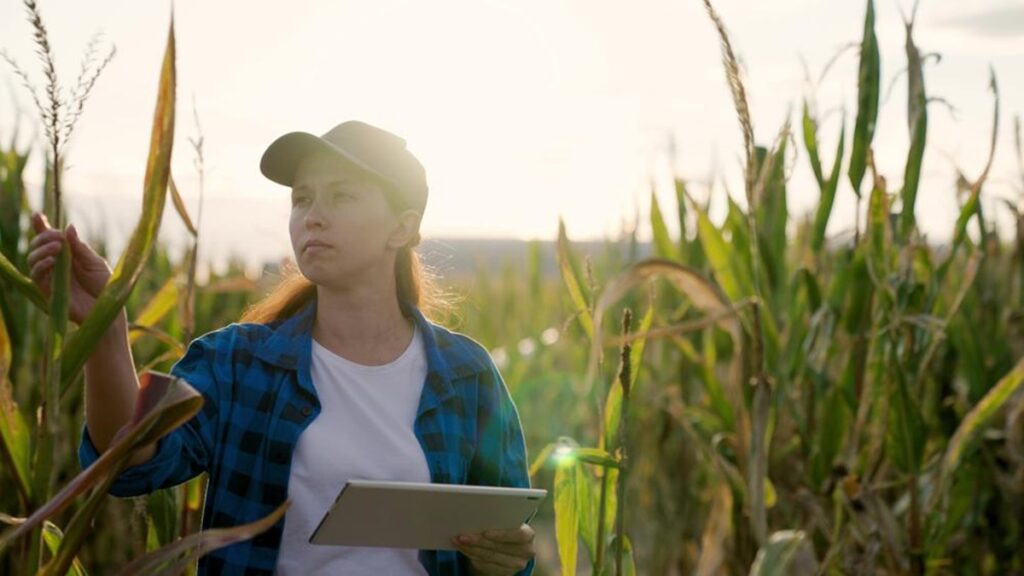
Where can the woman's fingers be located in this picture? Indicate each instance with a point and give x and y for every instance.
(41, 251)
(45, 237)
(40, 274)
(39, 222)
(492, 558)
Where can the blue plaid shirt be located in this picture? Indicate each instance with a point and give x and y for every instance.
(259, 397)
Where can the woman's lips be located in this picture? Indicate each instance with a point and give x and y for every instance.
(315, 247)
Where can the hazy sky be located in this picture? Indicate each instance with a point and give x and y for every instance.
(522, 111)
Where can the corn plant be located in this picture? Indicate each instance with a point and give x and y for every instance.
(838, 404)
(31, 453)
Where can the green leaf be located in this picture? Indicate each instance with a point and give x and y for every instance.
(10, 277)
(917, 116)
(78, 528)
(53, 537)
(15, 438)
(810, 131)
(725, 262)
(587, 495)
(713, 384)
(972, 425)
(567, 517)
(597, 457)
(828, 196)
(571, 276)
(179, 205)
(113, 297)
(171, 560)
(906, 433)
(702, 293)
(879, 236)
(613, 402)
(787, 553)
(163, 403)
(165, 300)
(833, 423)
(163, 515)
(663, 245)
(628, 563)
(867, 100)
(972, 206)
(541, 459)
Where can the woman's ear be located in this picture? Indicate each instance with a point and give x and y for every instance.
(407, 230)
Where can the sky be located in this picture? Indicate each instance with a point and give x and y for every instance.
(522, 111)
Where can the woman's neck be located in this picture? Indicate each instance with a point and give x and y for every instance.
(362, 324)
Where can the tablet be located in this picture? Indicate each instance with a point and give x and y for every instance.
(421, 515)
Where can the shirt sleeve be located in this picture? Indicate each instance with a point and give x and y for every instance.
(500, 458)
(186, 451)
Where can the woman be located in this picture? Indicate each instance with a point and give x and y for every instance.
(335, 375)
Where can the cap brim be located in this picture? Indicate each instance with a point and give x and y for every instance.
(282, 157)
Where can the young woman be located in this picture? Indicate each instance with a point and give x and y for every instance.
(335, 375)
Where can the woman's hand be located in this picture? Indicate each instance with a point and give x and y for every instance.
(89, 272)
(497, 552)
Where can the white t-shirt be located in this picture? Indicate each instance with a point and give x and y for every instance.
(364, 430)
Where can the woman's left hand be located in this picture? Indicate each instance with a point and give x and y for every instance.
(497, 552)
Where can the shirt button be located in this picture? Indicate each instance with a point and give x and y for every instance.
(307, 410)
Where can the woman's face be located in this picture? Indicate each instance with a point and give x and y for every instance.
(343, 232)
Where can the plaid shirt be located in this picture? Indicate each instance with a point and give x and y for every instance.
(259, 396)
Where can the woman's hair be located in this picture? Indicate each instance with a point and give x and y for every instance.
(415, 285)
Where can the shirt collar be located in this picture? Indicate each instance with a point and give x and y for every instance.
(290, 346)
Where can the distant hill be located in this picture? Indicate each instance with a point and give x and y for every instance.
(463, 256)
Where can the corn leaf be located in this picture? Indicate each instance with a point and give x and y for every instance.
(573, 281)
(165, 300)
(12, 279)
(176, 557)
(53, 537)
(787, 553)
(163, 404)
(587, 503)
(828, 196)
(541, 459)
(702, 293)
(972, 206)
(613, 402)
(567, 517)
(80, 344)
(974, 423)
(663, 245)
(906, 433)
(917, 116)
(81, 525)
(868, 78)
(15, 438)
(179, 205)
(717, 531)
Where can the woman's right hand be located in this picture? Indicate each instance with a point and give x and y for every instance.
(89, 272)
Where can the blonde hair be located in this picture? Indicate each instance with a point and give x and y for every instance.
(415, 284)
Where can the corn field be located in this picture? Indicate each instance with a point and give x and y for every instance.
(748, 396)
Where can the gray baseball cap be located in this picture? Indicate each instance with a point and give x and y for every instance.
(368, 148)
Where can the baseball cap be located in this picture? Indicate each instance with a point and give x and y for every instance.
(366, 147)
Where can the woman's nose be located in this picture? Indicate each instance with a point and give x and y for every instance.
(314, 216)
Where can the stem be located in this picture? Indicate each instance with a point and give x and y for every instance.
(603, 504)
(620, 519)
(916, 554)
(626, 382)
